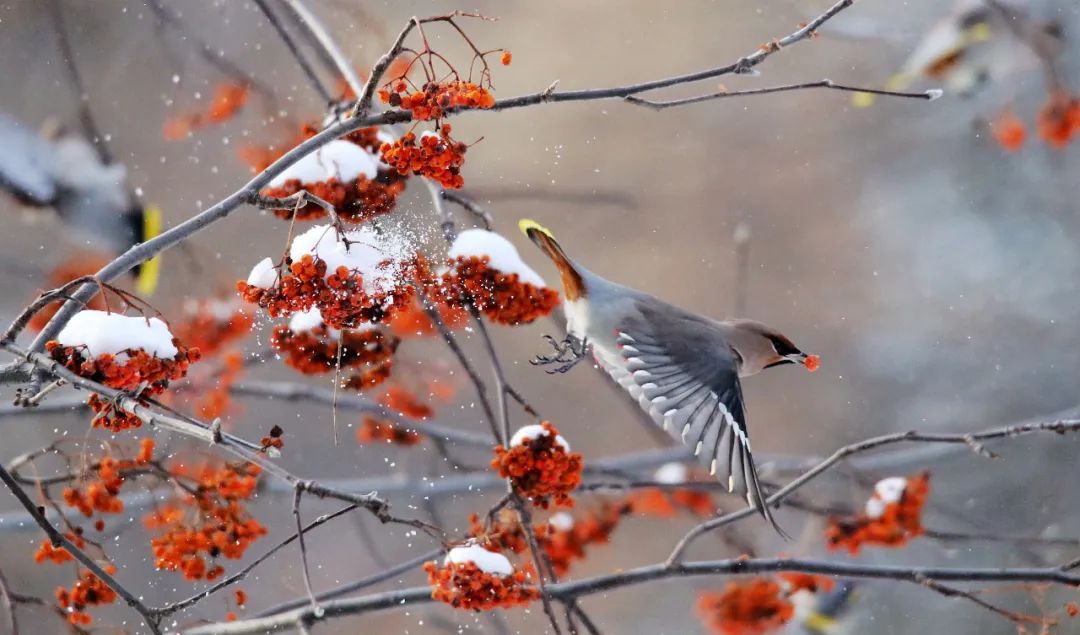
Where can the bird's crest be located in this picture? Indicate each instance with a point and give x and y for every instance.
(526, 224)
(573, 285)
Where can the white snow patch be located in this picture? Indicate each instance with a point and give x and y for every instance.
(341, 159)
(361, 252)
(486, 561)
(562, 521)
(528, 433)
(887, 491)
(501, 253)
(306, 320)
(263, 275)
(111, 333)
(671, 473)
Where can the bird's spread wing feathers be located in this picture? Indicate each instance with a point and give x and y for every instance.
(683, 373)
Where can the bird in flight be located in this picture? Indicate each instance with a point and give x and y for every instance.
(683, 369)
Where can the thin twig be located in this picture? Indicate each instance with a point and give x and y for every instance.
(599, 584)
(9, 604)
(241, 574)
(319, 34)
(287, 38)
(1057, 427)
(928, 95)
(58, 539)
(470, 206)
(316, 610)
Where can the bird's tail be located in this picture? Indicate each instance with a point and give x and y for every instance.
(573, 285)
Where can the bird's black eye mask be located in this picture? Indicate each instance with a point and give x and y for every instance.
(783, 346)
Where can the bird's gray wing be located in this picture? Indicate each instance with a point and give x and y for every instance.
(26, 163)
(685, 375)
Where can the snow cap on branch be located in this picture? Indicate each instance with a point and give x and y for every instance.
(530, 432)
(501, 253)
(111, 333)
(889, 490)
(263, 275)
(486, 561)
(338, 159)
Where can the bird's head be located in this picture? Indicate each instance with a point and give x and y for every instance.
(764, 347)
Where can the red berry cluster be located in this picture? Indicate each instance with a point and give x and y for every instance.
(465, 586)
(436, 156)
(899, 522)
(129, 370)
(88, 591)
(208, 524)
(366, 356)
(541, 469)
(503, 298)
(340, 297)
(434, 98)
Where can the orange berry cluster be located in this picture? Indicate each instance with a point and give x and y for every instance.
(132, 372)
(214, 401)
(354, 201)
(502, 298)
(138, 367)
(368, 355)
(206, 525)
(562, 546)
(504, 534)
(59, 555)
(757, 606)
(402, 401)
(413, 321)
(88, 591)
(340, 297)
(102, 493)
(565, 546)
(373, 430)
(432, 101)
(541, 469)
(74, 267)
(465, 586)
(900, 521)
(436, 156)
(654, 501)
(1057, 123)
(204, 328)
(226, 103)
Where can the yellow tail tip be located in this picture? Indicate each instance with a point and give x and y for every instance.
(150, 272)
(525, 224)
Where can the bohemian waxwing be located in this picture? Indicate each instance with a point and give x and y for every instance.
(682, 368)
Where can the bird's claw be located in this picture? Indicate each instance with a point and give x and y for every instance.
(568, 353)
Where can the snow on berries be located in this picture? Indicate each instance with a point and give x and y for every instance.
(893, 516)
(540, 465)
(474, 578)
(353, 277)
(343, 173)
(123, 352)
(486, 269)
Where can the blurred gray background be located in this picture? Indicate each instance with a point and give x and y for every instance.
(935, 274)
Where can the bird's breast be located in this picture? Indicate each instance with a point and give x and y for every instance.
(577, 317)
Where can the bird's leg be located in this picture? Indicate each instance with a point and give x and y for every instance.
(568, 353)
